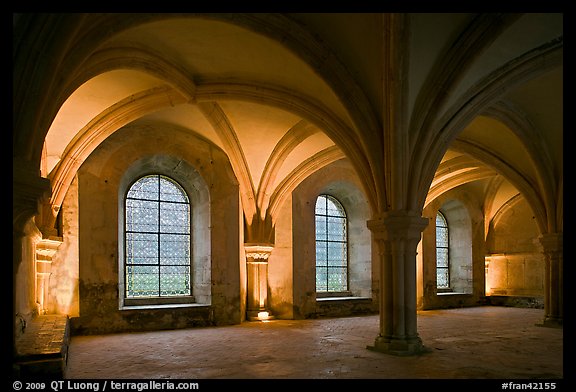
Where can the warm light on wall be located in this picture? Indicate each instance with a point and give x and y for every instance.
(488, 283)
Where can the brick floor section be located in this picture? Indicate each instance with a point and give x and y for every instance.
(482, 342)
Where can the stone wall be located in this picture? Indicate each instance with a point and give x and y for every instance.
(514, 262)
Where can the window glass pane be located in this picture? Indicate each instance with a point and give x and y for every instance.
(321, 229)
(321, 254)
(142, 215)
(442, 257)
(442, 278)
(440, 222)
(336, 229)
(337, 279)
(174, 218)
(141, 248)
(332, 208)
(174, 249)
(442, 236)
(336, 254)
(321, 205)
(175, 280)
(321, 279)
(169, 191)
(141, 281)
(146, 188)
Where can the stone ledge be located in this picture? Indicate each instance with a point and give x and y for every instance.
(42, 350)
(348, 298)
(343, 307)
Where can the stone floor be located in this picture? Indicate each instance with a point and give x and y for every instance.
(44, 335)
(43, 347)
(468, 343)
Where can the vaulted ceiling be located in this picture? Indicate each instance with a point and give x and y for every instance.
(284, 95)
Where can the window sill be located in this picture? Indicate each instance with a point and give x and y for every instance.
(348, 298)
(173, 300)
(333, 294)
(452, 293)
(162, 306)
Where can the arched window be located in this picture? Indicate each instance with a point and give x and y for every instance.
(331, 246)
(442, 252)
(157, 239)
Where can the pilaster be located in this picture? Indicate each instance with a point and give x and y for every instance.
(257, 286)
(45, 249)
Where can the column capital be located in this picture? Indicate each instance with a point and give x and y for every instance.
(398, 225)
(258, 253)
(46, 248)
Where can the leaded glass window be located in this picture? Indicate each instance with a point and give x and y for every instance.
(157, 239)
(442, 252)
(331, 245)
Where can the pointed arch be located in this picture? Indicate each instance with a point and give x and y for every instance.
(525, 186)
(547, 183)
(285, 146)
(474, 101)
(214, 113)
(137, 58)
(434, 95)
(107, 122)
(301, 172)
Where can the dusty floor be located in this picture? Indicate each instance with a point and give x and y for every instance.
(470, 343)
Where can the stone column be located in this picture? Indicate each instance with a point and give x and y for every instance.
(257, 285)
(397, 234)
(553, 279)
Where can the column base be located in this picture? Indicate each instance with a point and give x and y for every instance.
(259, 315)
(399, 347)
(552, 322)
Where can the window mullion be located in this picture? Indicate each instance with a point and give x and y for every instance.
(327, 268)
(327, 255)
